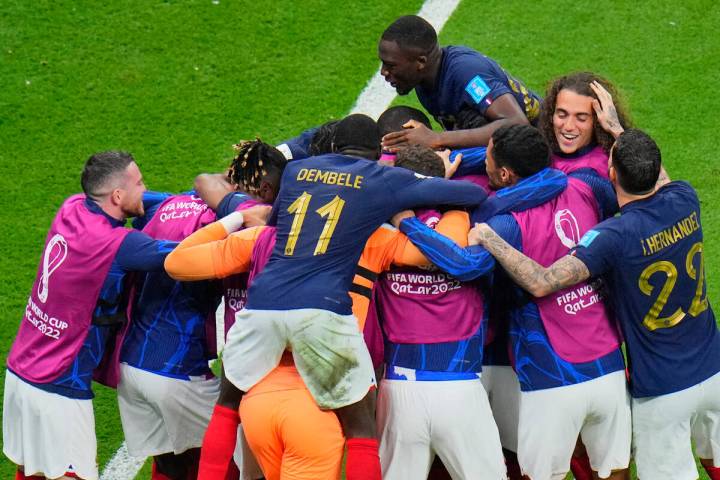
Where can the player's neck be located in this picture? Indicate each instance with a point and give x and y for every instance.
(624, 198)
(434, 63)
(111, 209)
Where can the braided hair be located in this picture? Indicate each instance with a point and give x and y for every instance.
(254, 160)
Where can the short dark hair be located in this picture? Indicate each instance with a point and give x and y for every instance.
(412, 33)
(393, 119)
(521, 148)
(579, 82)
(101, 168)
(422, 160)
(357, 133)
(637, 160)
(254, 161)
(321, 142)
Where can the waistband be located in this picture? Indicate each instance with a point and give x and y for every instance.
(413, 375)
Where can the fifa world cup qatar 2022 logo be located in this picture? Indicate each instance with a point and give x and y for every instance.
(566, 228)
(55, 254)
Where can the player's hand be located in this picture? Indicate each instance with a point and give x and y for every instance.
(257, 215)
(450, 166)
(477, 233)
(605, 110)
(400, 216)
(414, 133)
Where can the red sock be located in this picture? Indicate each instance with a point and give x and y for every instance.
(513, 467)
(713, 472)
(216, 455)
(580, 467)
(363, 461)
(157, 475)
(21, 476)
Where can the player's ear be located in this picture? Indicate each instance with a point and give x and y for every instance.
(266, 192)
(421, 61)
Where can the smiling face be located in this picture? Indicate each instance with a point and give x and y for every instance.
(573, 121)
(400, 68)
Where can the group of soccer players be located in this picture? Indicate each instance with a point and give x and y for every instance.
(489, 274)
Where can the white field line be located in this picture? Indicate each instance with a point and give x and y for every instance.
(378, 94)
(373, 100)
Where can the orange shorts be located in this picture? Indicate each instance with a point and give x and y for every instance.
(292, 439)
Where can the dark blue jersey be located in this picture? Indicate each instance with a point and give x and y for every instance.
(137, 252)
(230, 202)
(298, 147)
(327, 208)
(651, 257)
(468, 80)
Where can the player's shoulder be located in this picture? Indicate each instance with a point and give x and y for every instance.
(678, 189)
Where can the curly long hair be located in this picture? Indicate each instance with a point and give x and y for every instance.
(579, 83)
(254, 160)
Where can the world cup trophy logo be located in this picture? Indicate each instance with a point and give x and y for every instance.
(566, 228)
(55, 254)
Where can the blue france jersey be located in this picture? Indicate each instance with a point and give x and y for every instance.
(651, 256)
(468, 80)
(327, 208)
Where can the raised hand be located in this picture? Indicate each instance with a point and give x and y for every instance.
(605, 110)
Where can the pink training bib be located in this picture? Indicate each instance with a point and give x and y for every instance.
(575, 318)
(79, 250)
(596, 159)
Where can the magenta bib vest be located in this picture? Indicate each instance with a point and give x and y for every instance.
(235, 286)
(79, 250)
(596, 159)
(178, 217)
(575, 318)
(427, 306)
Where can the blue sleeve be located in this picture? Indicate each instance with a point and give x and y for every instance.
(229, 203)
(473, 161)
(412, 190)
(465, 264)
(140, 252)
(602, 189)
(151, 202)
(600, 248)
(300, 146)
(527, 193)
(482, 82)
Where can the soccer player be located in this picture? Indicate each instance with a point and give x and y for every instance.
(651, 257)
(469, 94)
(76, 308)
(296, 445)
(326, 209)
(569, 122)
(565, 347)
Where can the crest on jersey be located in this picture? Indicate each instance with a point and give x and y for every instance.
(566, 228)
(55, 254)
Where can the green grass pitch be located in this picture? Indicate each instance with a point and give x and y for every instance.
(177, 82)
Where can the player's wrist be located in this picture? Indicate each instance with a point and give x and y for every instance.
(232, 222)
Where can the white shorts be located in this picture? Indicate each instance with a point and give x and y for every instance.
(245, 459)
(46, 433)
(551, 420)
(161, 414)
(416, 420)
(328, 349)
(503, 391)
(663, 427)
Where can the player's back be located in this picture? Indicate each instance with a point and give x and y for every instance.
(327, 208)
(660, 293)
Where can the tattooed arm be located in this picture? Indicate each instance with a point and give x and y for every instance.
(605, 110)
(527, 273)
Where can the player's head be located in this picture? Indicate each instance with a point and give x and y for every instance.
(257, 169)
(322, 139)
(407, 50)
(114, 179)
(635, 162)
(422, 160)
(357, 135)
(567, 117)
(515, 152)
(393, 119)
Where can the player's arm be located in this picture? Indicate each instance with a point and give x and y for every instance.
(466, 263)
(473, 161)
(453, 225)
(139, 252)
(213, 188)
(527, 273)
(504, 110)
(213, 251)
(602, 190)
